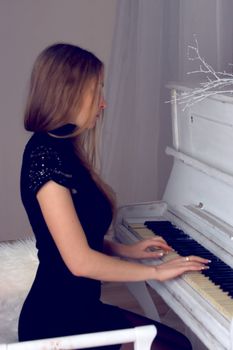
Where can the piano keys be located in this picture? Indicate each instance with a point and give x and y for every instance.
(195, 216)
(214, 284)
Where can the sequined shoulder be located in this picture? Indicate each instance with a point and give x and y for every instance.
(45, 163)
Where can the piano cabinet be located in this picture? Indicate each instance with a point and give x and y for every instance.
(198, 205)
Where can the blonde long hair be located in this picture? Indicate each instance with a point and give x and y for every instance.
(61, 75)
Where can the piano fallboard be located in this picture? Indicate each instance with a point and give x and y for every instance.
(208, 316)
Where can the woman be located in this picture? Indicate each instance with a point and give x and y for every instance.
(70, 208)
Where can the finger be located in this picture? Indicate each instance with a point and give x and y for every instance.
(168, 271)
(154, 240)
(199, 259)
(189, 267)
(195, 267)
(186, 269)
(174, 261)
(192, 264)
(159, 238)
(153, 254)
(186, 263)
(164, 246)
(194, 258)
(157, 244)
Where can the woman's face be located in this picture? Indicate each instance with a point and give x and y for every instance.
(90, 111)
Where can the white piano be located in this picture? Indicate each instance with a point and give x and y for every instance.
(198, 203)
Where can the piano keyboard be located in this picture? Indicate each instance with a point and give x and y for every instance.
(215, 284)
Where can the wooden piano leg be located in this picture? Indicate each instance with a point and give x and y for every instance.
(140, 292)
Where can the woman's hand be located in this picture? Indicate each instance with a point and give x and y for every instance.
(177, 266)
(151, 248)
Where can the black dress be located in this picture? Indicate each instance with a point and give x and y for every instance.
(60, 303)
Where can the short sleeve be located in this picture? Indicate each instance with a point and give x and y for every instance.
(46, 164)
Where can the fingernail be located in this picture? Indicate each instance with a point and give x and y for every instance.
(161, 254)
(205, 267)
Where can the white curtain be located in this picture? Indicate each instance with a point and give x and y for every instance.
(149, 49)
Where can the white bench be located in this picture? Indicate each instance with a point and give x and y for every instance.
(142, 337)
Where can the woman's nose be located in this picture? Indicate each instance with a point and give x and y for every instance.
(103, 103)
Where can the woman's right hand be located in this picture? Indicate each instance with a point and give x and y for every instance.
(177, 266)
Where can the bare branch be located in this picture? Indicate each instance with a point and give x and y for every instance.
(215, 82)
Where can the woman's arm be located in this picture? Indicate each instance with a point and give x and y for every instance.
(63, 223)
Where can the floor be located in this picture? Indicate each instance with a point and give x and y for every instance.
(118, 294)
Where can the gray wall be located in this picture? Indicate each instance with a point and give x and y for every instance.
(26, 27)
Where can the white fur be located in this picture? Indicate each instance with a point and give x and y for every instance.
(18, 264)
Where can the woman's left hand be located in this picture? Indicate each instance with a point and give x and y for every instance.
(151, 248)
